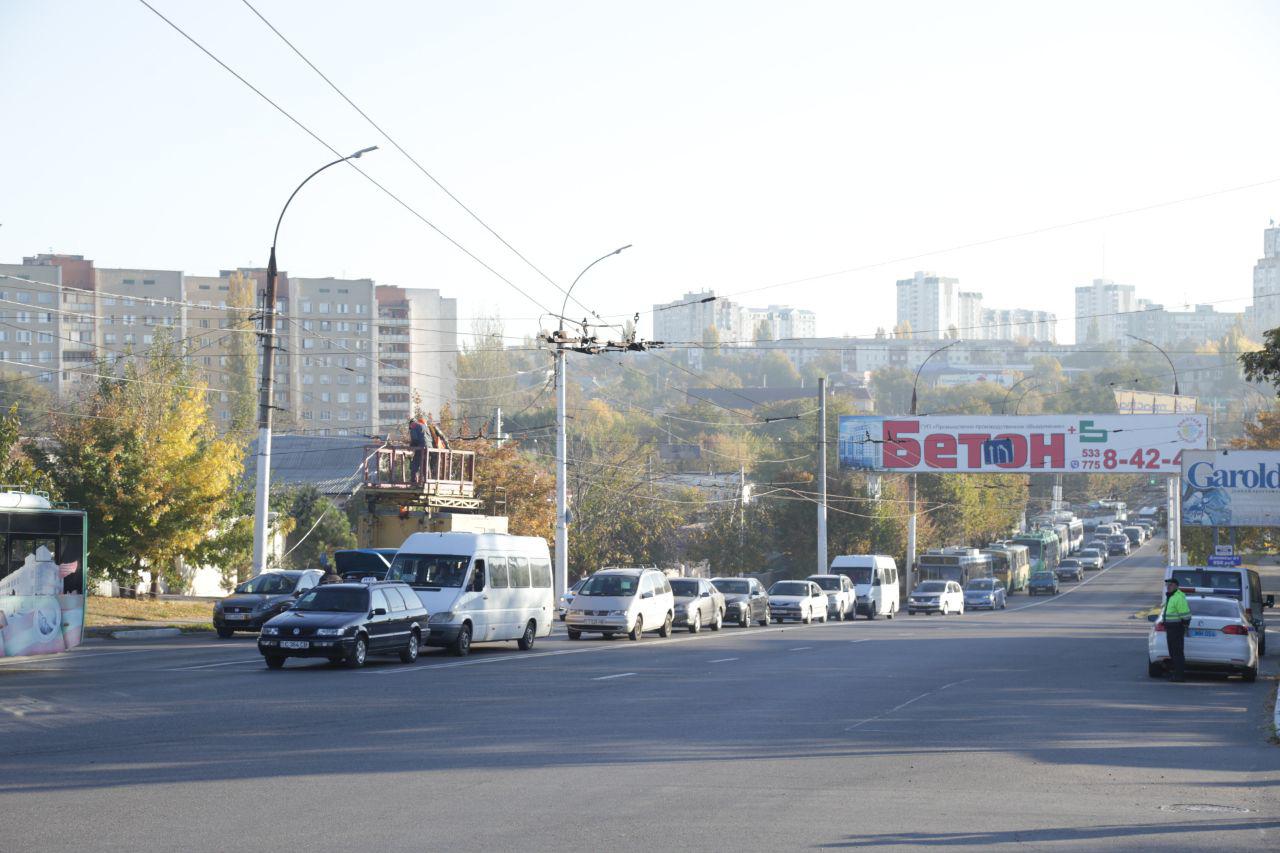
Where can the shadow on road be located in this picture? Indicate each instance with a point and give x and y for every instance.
(1098, 834)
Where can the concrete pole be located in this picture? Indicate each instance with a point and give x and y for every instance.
(909, 571)
(262, 493)
(562, 478)
(822, 475)
(1171, 521)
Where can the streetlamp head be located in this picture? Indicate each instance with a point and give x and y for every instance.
(356, 156)
(619, 251)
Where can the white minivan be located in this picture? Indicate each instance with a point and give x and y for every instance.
(479, 587)
(622, 601)
(875, 576)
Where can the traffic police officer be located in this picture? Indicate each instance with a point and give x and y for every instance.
(1177, 615)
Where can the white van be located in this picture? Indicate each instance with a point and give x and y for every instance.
(622, 601)
(875, 576)
(479, 587)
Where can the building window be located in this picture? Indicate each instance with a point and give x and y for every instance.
(324, 307)
(128, 339)
(46, 356)
(306, 414)
(148, 281)
(344, 397)
(308, 379)
(148, 339)
(324, 415)
(109, 338)
(306, 307)
(23, 337)
(44, 297)
(308, 343)
(324, 379)
(324, 396)
(44, 338)
(362, 397)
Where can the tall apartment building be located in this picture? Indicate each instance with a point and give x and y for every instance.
(1169, 328)
(778, 322)
(32, 331)
(1015, 324)
(969, 314)
(1265, 313)
(929, 304)
(1101, 308)
(417, 351)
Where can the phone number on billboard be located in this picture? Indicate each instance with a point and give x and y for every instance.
(1145, 459)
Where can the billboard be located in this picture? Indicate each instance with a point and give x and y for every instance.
(1231, 488)
(1152, 403)
(1054, 444)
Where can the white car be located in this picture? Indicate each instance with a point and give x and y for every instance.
(799, 601)
(697, 603)
(1219, 637)
(936, 597)
(622, 601)
(842, 596)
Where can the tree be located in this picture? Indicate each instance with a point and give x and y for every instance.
(319, 527)
(17, 468)
(1263, 365)
(242, 378)
(891, 388)
(778, 371)
(764, 331)
(144, 461)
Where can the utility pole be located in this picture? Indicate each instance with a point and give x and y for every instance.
(822, 475)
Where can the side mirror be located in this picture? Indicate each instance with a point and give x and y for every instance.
(1269, 601)
(646, 594)
(378, 611)
(705, 594)
(1151, 617)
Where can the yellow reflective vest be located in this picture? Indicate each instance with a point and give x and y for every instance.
(1176, 608)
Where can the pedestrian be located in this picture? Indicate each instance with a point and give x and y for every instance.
(330, 574)
(417, 445)
(1177, 615)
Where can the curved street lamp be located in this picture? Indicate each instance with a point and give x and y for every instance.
(263, 485)
(565, 305)
(1166, 358)
(921, 367)
(1005, 402)
(1030, 388)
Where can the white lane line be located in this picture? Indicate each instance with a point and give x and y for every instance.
(863, 640)
(212, 665)
(800, 649)
(897, 708)
(721, 660)
(618, 675)
(66, 657)
(1082, 583)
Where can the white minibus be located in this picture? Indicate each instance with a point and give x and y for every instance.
(875, 576)
(479, 587)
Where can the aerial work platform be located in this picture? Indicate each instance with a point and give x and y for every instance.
(424, 477)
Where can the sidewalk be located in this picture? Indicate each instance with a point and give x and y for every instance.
(186, 626)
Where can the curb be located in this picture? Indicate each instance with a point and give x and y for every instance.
(1275, 716)
(146, 633)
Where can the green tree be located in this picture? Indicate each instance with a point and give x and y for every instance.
(146, 464)
(242, 378)
(891, 388)
(319, 527)
(17, 467)
(778, 371)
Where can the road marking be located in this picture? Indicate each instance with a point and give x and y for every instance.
(897, 708)
(800, 648)
(67, 656)
(721, 660)
(211, 665)
(618, 675)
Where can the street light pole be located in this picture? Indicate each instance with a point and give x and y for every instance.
(822, 475)
(261, 503)
(1166, 358)
(911, 483)
(561, 580)
(1009, 393)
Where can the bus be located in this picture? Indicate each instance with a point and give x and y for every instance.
(42, 575)
(1009, 564)
(954, 564)
(1043, 550)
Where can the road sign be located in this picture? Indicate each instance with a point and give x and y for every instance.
(1223, 550)
(1225, 561)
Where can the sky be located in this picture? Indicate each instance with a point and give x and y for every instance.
(738, 146)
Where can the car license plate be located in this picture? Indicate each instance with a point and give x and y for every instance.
(236, 616)
(1203, 632)
(294, 644)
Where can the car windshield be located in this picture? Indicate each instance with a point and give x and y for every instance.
(1068, 564)
(981, 585)
(732, 587)
(1228, 582)
(1217, 609)
(621, 586)
(789, 588)
(858, 576)
(1042, 576)
(436, 570)
(832, 584)
(1089, 552)
(335, 599)
(272, 583)
(684, 587)
(932, 586)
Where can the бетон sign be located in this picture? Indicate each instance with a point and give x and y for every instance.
(1231, 488)
(1133, 444)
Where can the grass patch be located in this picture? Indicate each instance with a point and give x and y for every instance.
(102, 610)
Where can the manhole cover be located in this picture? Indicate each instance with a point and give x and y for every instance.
(1204, 807)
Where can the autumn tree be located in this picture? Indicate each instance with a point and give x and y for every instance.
(17, 467)
(144, 461)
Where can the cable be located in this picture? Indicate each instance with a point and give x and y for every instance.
(350, 163)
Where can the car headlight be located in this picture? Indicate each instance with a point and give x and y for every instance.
(330, 632)
(271, 631)
(442, 616)
(617, 613)
(741, 605)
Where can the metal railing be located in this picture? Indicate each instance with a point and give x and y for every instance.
(428, 470)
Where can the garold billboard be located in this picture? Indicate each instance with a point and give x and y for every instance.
(1231, 488)
(1136, 444)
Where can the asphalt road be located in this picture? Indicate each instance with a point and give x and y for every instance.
(1035, 727)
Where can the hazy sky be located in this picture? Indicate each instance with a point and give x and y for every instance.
(736, 144)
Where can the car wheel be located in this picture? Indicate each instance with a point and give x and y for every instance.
(719, 623)
(825, 617)
(1155, 669)
(530, 634)
(409, 653)
(960, 612)
(745, 620)
(637, 630)
(695, 625)
(225, 633)
(807, 618)
(839, 615)
(359, 651)
(888, 615)
(1262, 644)
(665, 630)
(574, 635)
(764, 623)
(277, 661)
(1250, 674)
(462, 645)
(871, 612)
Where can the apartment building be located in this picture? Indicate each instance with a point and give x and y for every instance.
(929, 304)
(1265, 313)
(417, 352)
(1170, 328)
(333, 340)
(1100, 307)
(32, 331)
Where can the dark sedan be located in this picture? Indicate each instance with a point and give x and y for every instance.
(1070, 569)
(1042, 583)
(259, 599)
(347, 622)
(745, 600)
